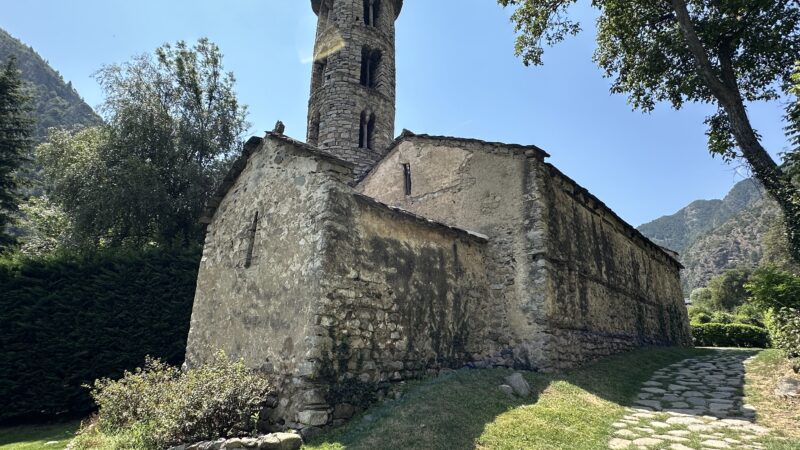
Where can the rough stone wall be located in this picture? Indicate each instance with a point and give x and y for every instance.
(608, 288)
(477, 186)
(342, 295)
(570, 281)
(265, 312)
(404, 298)
(337, 96)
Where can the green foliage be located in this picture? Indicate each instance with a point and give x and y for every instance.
(15, 133)
(784, 327)
(701, 298)
(158, 406)
(727, 289)
(771, 288)
(47, 227)
(793, 121)
(54, 102)
(723, 52)
(729, 335)
(173, 124)
(68, 320)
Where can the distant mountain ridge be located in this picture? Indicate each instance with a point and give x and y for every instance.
(714, 235)
(55, 102)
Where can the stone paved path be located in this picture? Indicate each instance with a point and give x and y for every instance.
(694, 404)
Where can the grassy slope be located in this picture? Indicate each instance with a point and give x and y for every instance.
(763, 374)
(466, 410)
(34, 437)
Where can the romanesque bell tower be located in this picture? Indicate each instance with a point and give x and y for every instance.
(352, 104)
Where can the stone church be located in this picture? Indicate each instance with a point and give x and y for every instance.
(358, 259)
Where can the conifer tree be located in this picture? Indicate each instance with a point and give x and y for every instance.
(16, 128)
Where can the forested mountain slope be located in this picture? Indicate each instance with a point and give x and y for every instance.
(55, 103)
(714, 235)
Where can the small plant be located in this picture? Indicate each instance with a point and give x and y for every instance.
(158, 406)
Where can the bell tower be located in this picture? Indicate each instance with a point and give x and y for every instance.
(351, 109)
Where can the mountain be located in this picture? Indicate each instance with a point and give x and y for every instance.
(714, 235)
(55, 102)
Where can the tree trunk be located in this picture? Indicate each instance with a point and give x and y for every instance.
(727, 93)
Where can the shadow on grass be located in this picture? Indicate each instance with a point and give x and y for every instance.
(567, 410)
(34, 437)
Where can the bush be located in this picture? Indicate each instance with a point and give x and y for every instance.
(69, 320)
(784, 327)
(160, 406)
(729, 335)
(778, 292)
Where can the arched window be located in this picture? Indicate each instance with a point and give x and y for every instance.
(325, 9)
(366, 130)
(318, 77)
(313, 130)
(371, 12)
(370, 65)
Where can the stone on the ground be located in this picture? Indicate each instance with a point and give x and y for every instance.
(788, 387)
(702, 402)
(518, 383)
(506, 389)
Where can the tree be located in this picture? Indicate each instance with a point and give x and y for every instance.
(727, 289)
(725, 52)
(16, 128)
(173, 123)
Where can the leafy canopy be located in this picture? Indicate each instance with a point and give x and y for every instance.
(173, 125)
(641, 46)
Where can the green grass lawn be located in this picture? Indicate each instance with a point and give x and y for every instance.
(465, 410)
(37, 437)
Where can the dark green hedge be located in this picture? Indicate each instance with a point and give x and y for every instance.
(67, 321)
(730, 335)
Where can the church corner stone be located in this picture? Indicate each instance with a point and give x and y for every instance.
(347, 264)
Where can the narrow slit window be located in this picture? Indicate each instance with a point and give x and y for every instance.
(251, 242)
(407, 178)
(371, 12)
(370, 67)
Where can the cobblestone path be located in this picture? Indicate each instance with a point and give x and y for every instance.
(694, 404)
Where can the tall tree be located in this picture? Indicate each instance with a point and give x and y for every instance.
(16, 128)
(724, 52)
(173, 122)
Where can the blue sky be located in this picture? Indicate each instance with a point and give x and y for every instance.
(457, 75)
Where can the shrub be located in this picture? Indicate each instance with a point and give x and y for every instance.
(784, 327)
(69, 320)
(729, 335)
(158, 406)
(778, 292)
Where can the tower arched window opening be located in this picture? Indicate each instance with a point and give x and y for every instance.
(370, 65)
(313, 129)
(318, 77)
(366, 134)
(371, 12)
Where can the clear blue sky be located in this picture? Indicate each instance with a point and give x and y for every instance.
(457, 75)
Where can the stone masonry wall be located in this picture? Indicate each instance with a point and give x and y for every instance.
(404, 298)
(570, 281)
(608, 288)
(333, 294)
(477, 186)
(337, 96)
(264, 311)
